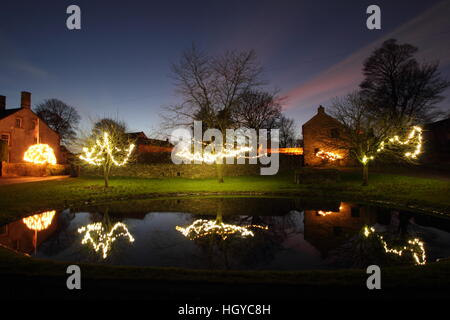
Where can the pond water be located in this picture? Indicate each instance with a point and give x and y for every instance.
(232, 233)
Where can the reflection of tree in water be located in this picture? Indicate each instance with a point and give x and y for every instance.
(395, 244)
(100, 238)
(236, 250)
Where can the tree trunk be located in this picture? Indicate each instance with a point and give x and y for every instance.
(365, 174)
(106, 170)
(219, 170)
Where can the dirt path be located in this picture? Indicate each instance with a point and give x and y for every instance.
(15, 180)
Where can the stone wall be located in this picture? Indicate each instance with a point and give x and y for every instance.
(191, 171)
(30, 169)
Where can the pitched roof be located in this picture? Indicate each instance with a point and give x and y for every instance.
(439, 123)
(320, 117)
(7, 112)
(141, 138)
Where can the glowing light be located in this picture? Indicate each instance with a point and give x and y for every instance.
(290, 151)
(415, 246)
(216, 156)
(40, 221)
(366, 159)
(328, 155)
(99, 153)
(326, 213)
(415, 136)
(202, 228)
(96, 235)
(40, 154)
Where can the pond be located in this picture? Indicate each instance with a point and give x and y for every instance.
(237, 233)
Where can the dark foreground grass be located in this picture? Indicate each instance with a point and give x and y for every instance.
(33, 278)
(26, 277)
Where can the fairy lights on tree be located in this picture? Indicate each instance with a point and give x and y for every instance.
(368, 135)
(40, 154)
(212, 154)
(109, 147)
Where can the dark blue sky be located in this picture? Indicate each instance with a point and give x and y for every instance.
(119, 63)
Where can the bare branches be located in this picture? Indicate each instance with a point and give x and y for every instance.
(397, 84)
(210, 87)
(59, 116)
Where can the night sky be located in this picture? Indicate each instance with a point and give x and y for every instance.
(118, 65)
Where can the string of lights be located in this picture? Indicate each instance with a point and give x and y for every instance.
(415, 136)
(328, 155)
(102, 149)
(229, 151)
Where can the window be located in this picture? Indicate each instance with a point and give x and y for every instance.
(34, 124)
(334, 133)
(18, 123)
(5, 137)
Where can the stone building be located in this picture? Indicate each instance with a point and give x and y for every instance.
(21, 128)
(322, 141)
(151, 150)
(437, 142)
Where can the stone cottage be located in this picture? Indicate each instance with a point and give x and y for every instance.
(151, 150)
(21, 128)
(322, 141)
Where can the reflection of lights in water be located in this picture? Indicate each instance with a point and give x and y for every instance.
(415, 246)
(101, 239)
(40, 154)
(201, 228)
(40, 221)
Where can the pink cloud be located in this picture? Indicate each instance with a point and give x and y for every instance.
(428, 31)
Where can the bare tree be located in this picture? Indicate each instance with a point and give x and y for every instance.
(288, 130)
(257, 110)
(399, 85)
(365, 133)
(210, 87)
(59, 116)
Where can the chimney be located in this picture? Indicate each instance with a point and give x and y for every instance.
(25, 101)
(320, 110)
(2, 103)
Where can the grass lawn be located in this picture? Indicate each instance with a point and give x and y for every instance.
(386, 189)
